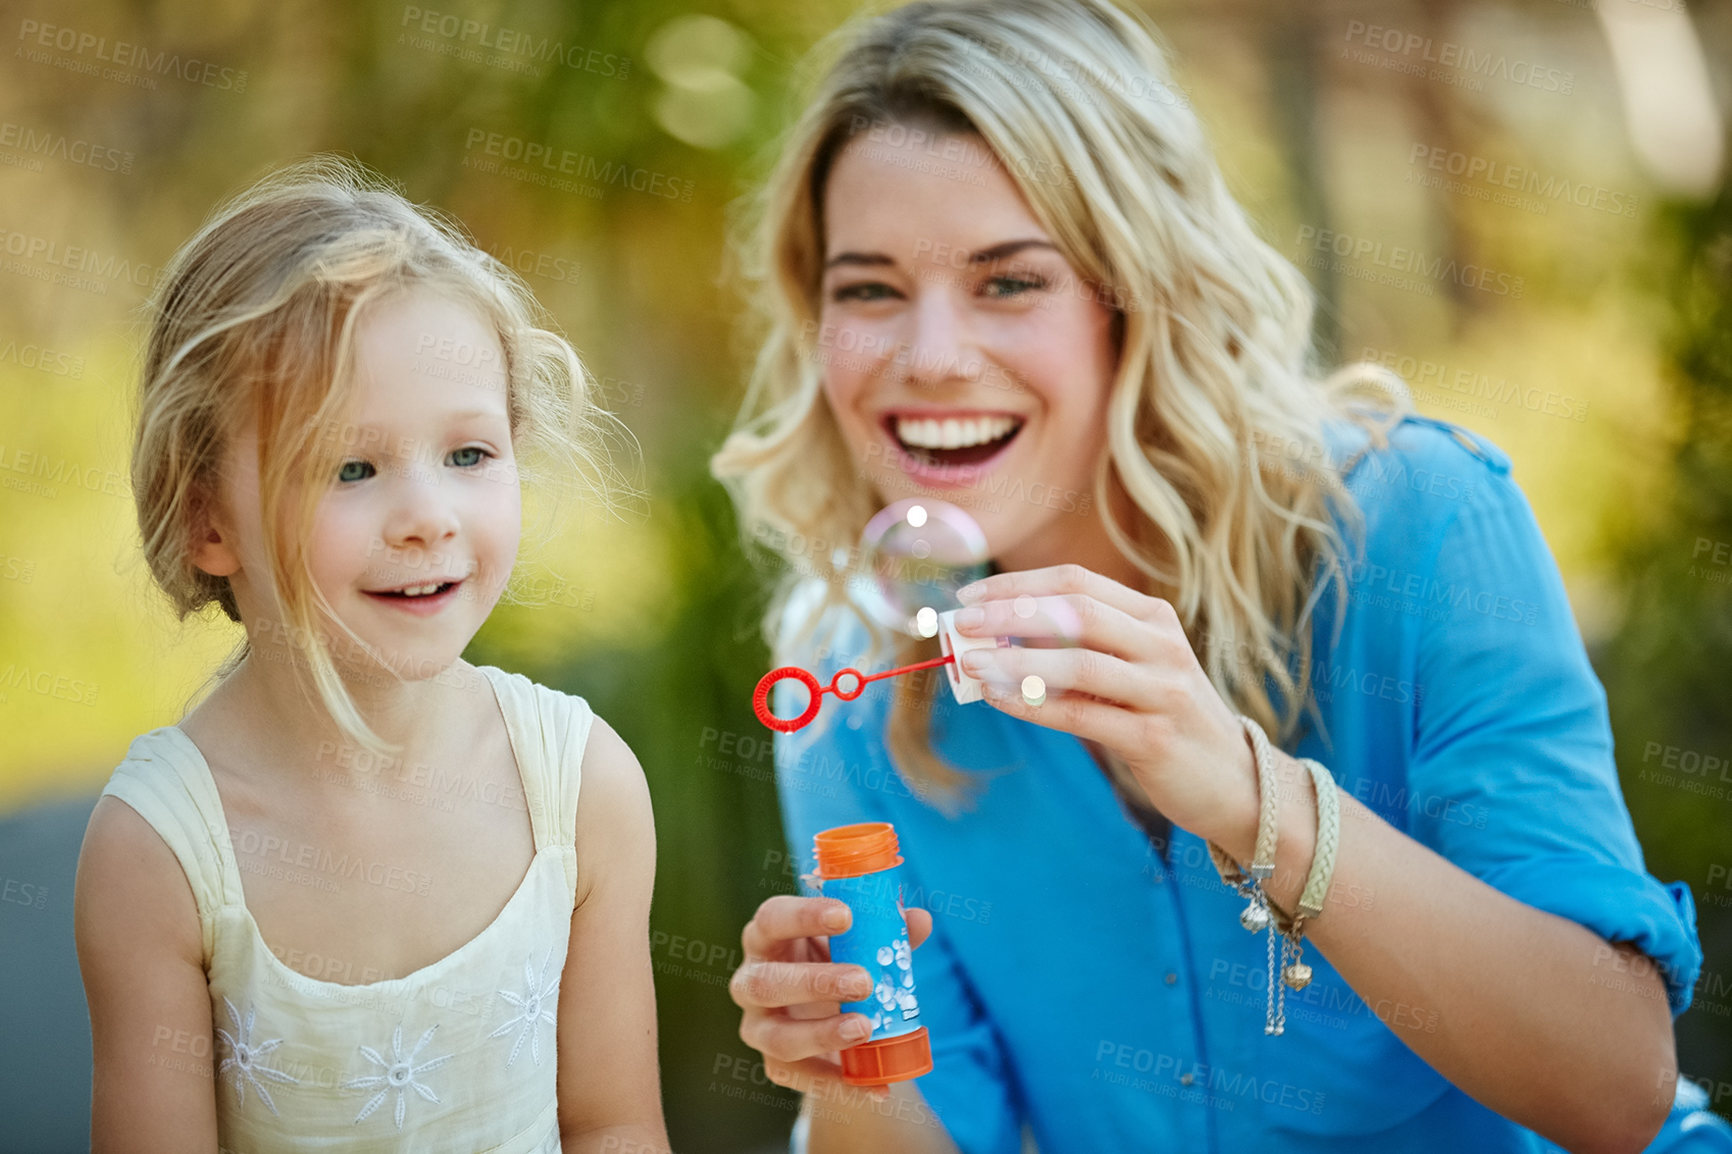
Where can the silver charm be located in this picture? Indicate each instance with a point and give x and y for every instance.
(1254, 917)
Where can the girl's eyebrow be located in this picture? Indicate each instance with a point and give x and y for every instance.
(990, 255)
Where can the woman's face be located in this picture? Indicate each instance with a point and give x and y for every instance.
(964, 357)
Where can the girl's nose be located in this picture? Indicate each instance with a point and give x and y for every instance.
(421, 512)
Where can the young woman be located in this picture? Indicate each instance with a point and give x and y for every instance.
(1001, 269)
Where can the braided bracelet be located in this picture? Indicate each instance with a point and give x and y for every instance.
(1295, 974)
(1250, 885)
(1255, 916)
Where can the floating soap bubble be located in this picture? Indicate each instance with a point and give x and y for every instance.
(915, 555)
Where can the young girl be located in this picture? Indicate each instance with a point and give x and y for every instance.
(1002, 270)
(353, 899)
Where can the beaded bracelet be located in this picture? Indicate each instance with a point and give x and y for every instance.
(1256, 916)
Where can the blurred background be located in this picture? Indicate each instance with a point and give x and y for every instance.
(1519, 206)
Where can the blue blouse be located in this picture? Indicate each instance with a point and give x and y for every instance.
(1082, 983)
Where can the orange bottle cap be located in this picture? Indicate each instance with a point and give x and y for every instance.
(848, 851)
(886, 1060)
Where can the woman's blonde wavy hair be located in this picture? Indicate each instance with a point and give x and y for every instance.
(254, 325)
(1215, 421)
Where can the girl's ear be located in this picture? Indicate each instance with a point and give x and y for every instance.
(213, 545)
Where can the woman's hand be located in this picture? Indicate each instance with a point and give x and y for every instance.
(791, 992)
(1119, 671)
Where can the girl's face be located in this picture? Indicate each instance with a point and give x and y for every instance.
(416, 535)
(964, 357)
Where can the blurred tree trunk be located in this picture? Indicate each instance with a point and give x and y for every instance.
(1291, 47)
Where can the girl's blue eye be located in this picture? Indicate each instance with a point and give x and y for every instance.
(355, 471)
(865, 291)
(468, 457)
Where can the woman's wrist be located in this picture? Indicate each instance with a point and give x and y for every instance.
(1296, 823)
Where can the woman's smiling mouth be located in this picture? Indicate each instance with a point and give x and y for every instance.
(938, 441)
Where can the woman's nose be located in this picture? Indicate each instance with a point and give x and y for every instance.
(940, 345)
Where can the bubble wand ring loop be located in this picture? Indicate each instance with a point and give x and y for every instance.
(856, 683)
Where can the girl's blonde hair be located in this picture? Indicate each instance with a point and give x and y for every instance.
(1215, 421)
(254, 326)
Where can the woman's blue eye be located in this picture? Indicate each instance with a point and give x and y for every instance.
(1007, 286)
(355, 471)
(468, 457)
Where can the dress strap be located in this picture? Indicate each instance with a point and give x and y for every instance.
(549, 732)
(165, 780)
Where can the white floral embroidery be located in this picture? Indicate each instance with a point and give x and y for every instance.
(244, 1054)
(401, 1074)
(533, 1008)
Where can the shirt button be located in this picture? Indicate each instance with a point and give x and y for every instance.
(1186, 1079)
(1172, 979)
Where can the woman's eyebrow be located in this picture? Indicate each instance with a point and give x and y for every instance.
(980, 256)
(1009, 248)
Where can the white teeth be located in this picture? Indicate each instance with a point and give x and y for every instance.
(952, 432)
(420, 590)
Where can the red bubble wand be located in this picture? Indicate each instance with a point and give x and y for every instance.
(856, 685)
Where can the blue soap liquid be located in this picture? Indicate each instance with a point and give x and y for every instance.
(877, 941)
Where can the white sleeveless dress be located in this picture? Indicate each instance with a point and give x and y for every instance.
(457, 1056)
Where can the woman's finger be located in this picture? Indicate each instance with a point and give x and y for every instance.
(1058, 579)
(785, 918)
(1102, 722)
(759, 984)
(809, 1074)
(778, 1035)
(919, 925)
(1066, 618)
(1100, 675)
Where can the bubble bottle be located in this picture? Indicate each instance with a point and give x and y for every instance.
(859, 865)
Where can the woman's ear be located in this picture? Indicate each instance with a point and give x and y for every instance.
(213, 545)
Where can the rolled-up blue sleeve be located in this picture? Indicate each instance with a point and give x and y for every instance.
(1512, 774)
(834, 778)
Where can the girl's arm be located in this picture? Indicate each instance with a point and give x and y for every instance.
(609, 1084)
(140, 950)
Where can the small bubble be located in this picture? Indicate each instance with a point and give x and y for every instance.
(1025, 606)
(917, 515)
(926, 621)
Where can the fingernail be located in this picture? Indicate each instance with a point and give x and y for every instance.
(856, 1028)
(978, 660)
(836, 919)
(971, 618)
